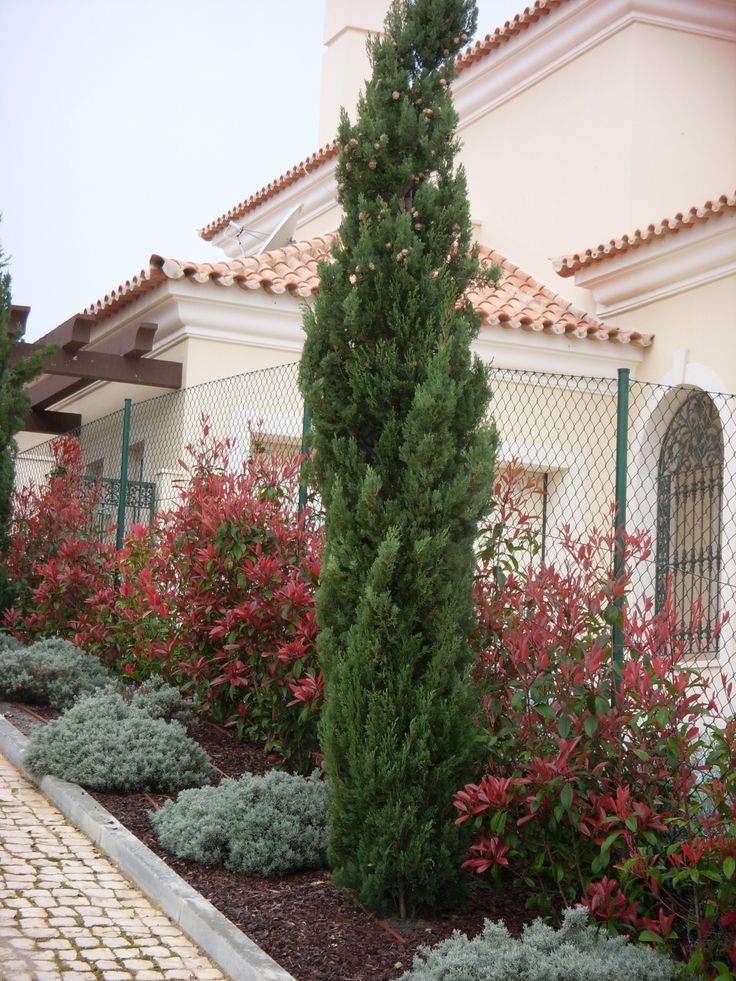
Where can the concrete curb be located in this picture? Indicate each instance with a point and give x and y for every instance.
(231, 949)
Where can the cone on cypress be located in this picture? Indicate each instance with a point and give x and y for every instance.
(404, 465)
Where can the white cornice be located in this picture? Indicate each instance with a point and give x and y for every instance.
(663, 267)
(527, 351)
(570, 31)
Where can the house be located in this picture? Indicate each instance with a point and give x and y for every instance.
(582, 122)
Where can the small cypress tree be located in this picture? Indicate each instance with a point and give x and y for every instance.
(14, 405)
(404, 465)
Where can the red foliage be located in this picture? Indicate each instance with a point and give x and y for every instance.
(54, 555)
(219, 596)
(608, 785)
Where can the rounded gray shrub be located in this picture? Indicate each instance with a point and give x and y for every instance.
(8, 643)
(575, 952)
(105, 743)
(50, 672)
(160, 700)
(268, 826)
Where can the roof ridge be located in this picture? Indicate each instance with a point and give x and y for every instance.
(568, 265)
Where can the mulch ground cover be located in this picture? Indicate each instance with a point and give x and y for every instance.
(302, 920)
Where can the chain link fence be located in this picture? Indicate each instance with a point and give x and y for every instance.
(679, 465)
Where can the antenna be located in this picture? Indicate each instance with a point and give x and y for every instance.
(283, 233)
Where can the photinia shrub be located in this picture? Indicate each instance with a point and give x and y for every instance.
(54, 556)
(606, 785)
(219, 597)
(124, 620)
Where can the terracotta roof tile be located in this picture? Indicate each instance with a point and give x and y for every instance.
(511, 29)
(292, 175)
(131, 289)
(568, 265)
(519, 302)
(481, 49)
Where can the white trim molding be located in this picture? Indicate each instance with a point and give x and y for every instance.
(569, 32)
(662, 267)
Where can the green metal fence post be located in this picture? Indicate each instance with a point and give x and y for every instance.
(123, 493)
(306, 426)
(622, 442)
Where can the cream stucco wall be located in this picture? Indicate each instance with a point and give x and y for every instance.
(629, 132)
(212, 359)
(621, 131)
(697, 325)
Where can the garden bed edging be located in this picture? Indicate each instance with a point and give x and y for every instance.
(231, 949)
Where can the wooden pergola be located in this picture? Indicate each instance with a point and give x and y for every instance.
(73, 367)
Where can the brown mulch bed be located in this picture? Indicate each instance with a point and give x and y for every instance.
(302, 921)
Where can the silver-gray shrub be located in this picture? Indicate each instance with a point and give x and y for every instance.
(50, 672)
(105, 743)
(266, 826)
(9, 643)
(575, 952)
(160, 700)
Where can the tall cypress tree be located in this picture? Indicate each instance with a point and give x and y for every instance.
(404, 465)
(14, 404)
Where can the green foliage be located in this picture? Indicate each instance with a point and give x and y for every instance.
(266, 826)
(106, 743)
(404, 468)
(50, 672)
(575, 952)
(14, 404)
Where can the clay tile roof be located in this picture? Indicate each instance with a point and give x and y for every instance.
(520, 302)
(131, 289)
(517, 303)
(568, 265)
(300, 170)
(520, 23)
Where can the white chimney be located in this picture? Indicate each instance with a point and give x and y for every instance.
(348, 23)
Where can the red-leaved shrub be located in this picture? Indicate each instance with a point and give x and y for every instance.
(219, 597)
(55, 557)
(614, 787)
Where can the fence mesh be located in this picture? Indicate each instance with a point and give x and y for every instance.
(681, 468)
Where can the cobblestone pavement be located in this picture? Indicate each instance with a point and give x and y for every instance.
(67, 913)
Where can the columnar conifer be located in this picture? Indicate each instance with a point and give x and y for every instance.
(14, 404)
(404, 465)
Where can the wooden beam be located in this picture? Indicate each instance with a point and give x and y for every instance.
(18, 320)
(50, 390)
(99, 366)
(73, 334)
(56, 423)
(131, 342)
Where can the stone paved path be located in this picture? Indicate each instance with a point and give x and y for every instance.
(67, 913)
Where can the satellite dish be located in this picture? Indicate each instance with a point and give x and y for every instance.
(283, 233)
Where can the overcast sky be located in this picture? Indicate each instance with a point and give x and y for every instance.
(128, 124)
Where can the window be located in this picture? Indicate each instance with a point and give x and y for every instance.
(94, 470)
(272, 444)
(689, 506)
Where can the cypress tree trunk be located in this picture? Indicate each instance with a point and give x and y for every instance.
(404, 466)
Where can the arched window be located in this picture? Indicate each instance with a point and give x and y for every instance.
(689, 506)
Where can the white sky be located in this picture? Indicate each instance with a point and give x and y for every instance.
(127, 124)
